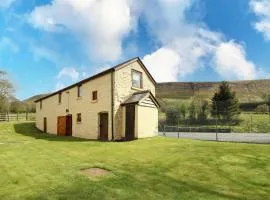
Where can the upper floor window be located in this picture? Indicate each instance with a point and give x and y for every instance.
(60, 97)
(136, 79)
(79, 94)
(79, 118)
(94, 95)
(40, 104)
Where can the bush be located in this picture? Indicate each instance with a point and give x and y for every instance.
(262, 109)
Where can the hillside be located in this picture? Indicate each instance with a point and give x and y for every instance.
(246, 91)
(33, 98)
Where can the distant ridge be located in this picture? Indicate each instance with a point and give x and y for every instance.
(246, 91)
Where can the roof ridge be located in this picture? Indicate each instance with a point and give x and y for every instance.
(87, 79)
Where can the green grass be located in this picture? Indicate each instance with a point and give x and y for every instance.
(258, 123)
(249, 123)
(34, 165)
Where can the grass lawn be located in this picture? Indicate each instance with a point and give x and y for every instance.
(34, 165)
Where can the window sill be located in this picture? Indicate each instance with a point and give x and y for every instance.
(135, 88)
(79, 122)
(94, 101)
(79, 98)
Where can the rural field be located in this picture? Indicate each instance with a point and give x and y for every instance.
(34, 165)
(249, 122)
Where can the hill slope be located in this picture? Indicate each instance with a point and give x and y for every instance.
(246, 91)
(34, 98)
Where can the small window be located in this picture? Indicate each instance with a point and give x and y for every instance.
(59, 97)
(40, 105)
(79, 117)
(79, 90)
(94, 95)
(136, 79)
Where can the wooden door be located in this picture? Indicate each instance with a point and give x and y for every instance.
(103, 126)
(69, 125)
(61, 125)
(130, 122)
(45, 124)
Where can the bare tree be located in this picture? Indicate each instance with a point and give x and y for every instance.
(6, 91)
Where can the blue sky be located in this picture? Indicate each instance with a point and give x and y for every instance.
(48, 44)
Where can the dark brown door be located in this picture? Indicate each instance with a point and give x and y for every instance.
(103, 126)
(45, 124)
(69, 125)
(61, 125)
(130, 122)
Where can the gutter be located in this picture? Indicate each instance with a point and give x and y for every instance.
(112, 105)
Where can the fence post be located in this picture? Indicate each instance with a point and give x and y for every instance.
(250, 123)
(178, 131)
(164, 130)
(17, 116)
(26, 116)
(8, 116)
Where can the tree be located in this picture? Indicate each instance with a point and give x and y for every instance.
(203, 111)
(183, 110)
(225, 105)
(6, 90)
(192, 110)
(173, 115)
(17, 106)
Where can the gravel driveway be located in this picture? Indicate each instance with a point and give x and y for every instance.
(224, 137)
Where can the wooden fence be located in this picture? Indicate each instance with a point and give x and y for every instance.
(6, 117)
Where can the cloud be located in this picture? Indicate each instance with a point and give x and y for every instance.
(262, 10)
(162, 64)
(69, 72)
(7, 43)
(66, 76)
(100, 25)
(231, 63)
(6, 3)
(186, 46)
(181, 46)
(41, 52)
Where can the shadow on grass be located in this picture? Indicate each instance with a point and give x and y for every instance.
(29, 129)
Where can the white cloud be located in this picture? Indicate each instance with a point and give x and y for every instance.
(59, 86)
(66, 76)
(262, 9)
(182, 47)
(6, 3)
(187, 47)
(101, 25)
(7, 43)
(40, 52)
(231, 63)
(69, 72)
(163, 64)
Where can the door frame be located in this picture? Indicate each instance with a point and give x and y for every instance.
(69, 133)
(45, 124)
(128, 134)
(99, 125)
(66, 133)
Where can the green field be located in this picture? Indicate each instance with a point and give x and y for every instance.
(34, 165)
(249, 122)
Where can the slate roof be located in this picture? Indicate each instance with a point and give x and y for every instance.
(99, 75)
(139, 96)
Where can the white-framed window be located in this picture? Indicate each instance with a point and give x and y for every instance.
(136, 79)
